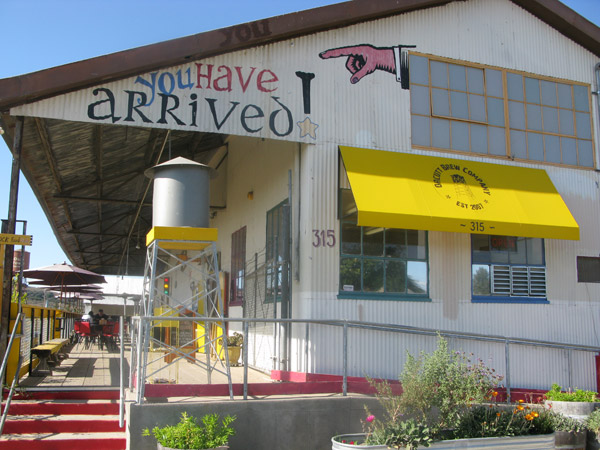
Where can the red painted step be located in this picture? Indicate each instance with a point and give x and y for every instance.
(21, 408)
(89, 443)
(68, 395)
(48, 425)
(62, 420)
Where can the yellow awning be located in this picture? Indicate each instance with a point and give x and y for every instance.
(399, 190)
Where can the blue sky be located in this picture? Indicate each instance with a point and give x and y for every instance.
(45, 34)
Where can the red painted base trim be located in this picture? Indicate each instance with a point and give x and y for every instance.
(62, 444)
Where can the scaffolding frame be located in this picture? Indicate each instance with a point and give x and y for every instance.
(193, 261)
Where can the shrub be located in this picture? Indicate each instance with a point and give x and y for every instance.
(438, 388)
(498, 421)
(188, 434)
(578, 396)
(592, 422)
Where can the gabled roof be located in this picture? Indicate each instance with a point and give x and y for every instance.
(69, 77)
(89, 177)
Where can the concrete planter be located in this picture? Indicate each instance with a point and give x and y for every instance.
(537, 442)
(593, 441)
(576, 410)
(575, 440)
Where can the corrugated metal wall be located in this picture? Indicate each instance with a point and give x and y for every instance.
(375, 113)
(496, 33)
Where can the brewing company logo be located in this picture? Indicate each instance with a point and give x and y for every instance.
(462, 186)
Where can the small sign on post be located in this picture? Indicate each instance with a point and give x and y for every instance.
(15, 239)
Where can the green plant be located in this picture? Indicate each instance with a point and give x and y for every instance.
(188, 434)
(234, 341)
(497, 420)
(438, 389)
(408, 434)
(561, 422)
(578, 396)
(438, 386)
(592, 422)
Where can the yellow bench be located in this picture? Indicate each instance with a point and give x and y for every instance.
(45, 351)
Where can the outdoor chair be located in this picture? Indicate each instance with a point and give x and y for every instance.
(86, 333)
(110, 335)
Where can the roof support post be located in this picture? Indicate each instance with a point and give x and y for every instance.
(10, 228)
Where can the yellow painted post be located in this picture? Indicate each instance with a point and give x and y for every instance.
(2, 252)
(13, 357)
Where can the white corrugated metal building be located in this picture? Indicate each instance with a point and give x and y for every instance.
(477, 105)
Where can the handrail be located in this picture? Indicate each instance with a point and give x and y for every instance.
(4, 365)
(121, 374)
(346, 324)
(10, 395)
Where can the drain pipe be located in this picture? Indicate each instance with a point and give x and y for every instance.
(597, 91)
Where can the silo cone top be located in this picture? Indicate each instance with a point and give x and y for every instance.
(180, 161)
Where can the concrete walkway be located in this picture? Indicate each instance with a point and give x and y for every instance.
(93, 367)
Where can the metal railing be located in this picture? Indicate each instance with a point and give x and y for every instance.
(346, 326)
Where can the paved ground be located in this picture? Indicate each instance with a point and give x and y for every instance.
(91, 366)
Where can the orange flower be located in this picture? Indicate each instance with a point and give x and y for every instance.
(529, 417)
(520, 408)
(535, 414)
(495, 393)
(521, 401)
(498, 414)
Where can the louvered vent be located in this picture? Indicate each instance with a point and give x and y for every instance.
(518, 281)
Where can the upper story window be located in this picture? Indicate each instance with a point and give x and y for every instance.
(508, 267)
(493, 111)
(380, 262)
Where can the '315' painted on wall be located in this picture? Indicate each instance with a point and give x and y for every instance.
(323, 238)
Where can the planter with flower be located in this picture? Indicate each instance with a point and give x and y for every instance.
(578, 404)
(188, 434)
(234, 347)
(448, 402)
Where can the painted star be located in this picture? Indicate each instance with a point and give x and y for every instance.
(308, 128)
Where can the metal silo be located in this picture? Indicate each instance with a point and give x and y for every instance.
(181, 194)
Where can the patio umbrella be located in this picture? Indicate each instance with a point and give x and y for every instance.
(61, 275)
(68, 287)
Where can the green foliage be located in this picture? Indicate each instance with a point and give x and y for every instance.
(236, 340)
(496, 421)
(187, 434)
(438, 389)
(592, 422)
(15, 292)
(407, 434)
(565, 423)
(439, 386)
(578, 396)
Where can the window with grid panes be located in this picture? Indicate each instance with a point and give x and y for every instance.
(497, 112)
(238, 266)
(277, 237)
(380, 262)
(508, 267)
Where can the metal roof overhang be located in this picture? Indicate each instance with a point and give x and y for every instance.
(89, 178)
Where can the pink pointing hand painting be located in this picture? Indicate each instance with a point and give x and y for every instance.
(363, 59)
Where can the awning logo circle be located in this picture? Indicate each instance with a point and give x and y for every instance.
(462, 186)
